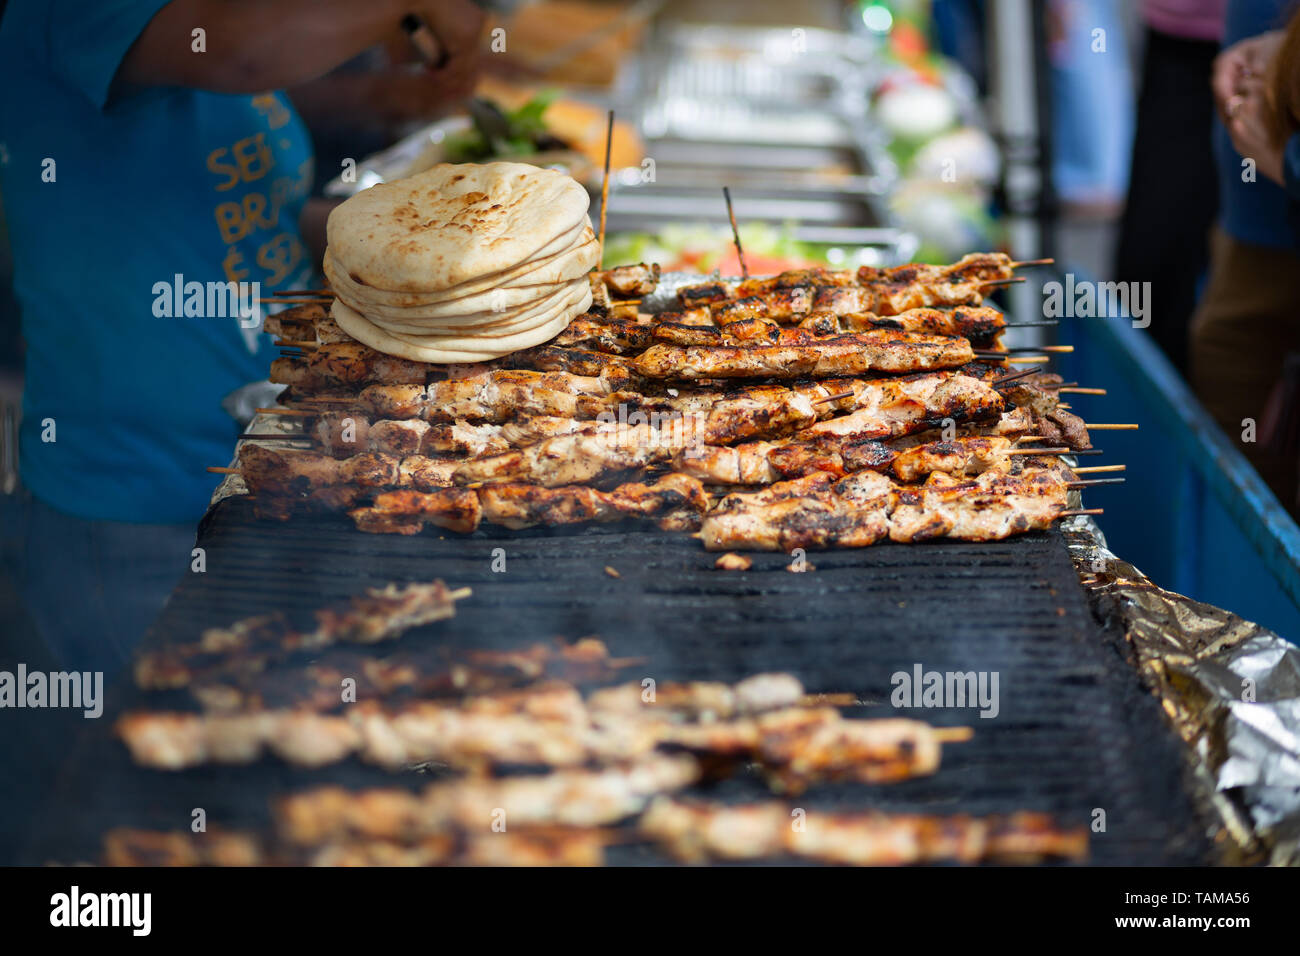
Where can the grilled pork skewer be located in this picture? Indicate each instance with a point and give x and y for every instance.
(883, 350)
(975, 323)
(866, 507)
(797, 352)
(535, 846)
(696, 832)
(626, 282)
(589, 455)
(546, 724)
(892, 290)
(975, 449)
(943, 394)
(565, 797)
(763, 463)
(675, 501)
(347, 365)
(760, 720)
(284, 478)
(886, 408)
(378, 615)
(427, 672)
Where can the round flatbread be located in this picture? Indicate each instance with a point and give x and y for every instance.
(447, 350)
(577, 259)
(478, 338)
(453, 224)
(474, 322)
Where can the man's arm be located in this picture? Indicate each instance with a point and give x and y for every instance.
(257, 45)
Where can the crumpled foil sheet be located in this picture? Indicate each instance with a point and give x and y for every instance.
(1231, 689)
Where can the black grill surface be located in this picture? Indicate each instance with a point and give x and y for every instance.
(1076, 733)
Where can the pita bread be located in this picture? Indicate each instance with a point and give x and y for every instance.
(486, 323)
(578, 259)
(482, 308)
(489, 338)
(454, 224)
(416, 323)
(471, 349)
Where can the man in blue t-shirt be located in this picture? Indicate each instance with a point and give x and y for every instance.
(154, 178)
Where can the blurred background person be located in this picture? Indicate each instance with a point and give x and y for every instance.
(1092, 106)
(1172, 194)
(1245, 339)
(141, 150)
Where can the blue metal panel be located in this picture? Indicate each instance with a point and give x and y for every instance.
(1194, 515)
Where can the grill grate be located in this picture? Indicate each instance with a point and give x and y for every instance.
(1075, 732)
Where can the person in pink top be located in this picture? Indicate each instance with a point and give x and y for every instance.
(1172, 194)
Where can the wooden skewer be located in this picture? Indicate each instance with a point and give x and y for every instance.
(1126, 427)
(1097, 469)
(1029, 438)
(1032, 262)
(735, 232)
(833, 398)
(604, 188)
(460, 594)
(295, 292)
(1011, 378)
(953, 735)
(1087, 451)
(1095, 481)
(1030, 325)
(285, 411)
(994, 282)
(830, 700)
(1081, 391)
(1080, 511)
(1040, 451)
(1010, 355)
(220, 470)
(1025, 348)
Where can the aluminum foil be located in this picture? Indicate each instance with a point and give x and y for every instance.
(1231, 689)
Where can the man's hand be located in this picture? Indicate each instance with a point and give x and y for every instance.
(458, 25)
(256, 45)
(1243, 62)
(1248, 125)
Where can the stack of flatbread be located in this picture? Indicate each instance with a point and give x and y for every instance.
(462, 263)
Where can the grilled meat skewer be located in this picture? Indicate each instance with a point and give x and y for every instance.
(696, 832)
(883, 350)
(378, 615)
(866, 507)
(533, 846)
(565, 797)
(890, 290)
(426, 672)
(760, 720)
(675, 501)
